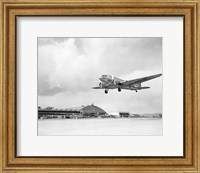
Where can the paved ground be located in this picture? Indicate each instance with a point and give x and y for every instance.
(125, 126)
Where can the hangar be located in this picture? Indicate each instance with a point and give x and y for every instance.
(92, 111)
(89, 111)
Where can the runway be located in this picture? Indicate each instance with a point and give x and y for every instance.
(97, 126)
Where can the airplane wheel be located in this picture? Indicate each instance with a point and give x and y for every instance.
(136, 91)
(106, 91)
(119, 89)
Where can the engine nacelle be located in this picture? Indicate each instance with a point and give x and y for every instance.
(102, 85)
(138, 85)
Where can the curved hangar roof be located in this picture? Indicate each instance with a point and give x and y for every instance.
(91, 109)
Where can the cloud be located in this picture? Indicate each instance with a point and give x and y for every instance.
(69, 67)
(63, 68)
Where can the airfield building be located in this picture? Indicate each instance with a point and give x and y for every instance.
(124, 114)
(90, 111)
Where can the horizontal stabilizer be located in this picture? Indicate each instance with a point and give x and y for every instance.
(96, 88)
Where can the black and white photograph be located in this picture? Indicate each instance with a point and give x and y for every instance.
(108, 86)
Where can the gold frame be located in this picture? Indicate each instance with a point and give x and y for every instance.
(9, 162)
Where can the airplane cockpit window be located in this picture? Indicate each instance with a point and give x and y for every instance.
(104, 75)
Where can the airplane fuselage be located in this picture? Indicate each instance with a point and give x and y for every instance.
(110, 79)
(110, 82)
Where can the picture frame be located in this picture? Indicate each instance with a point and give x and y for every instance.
(10, 162)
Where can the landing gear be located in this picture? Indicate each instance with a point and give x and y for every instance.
(119, 89)
(106, 91)
(136, 91)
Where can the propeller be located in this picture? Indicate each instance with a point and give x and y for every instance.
(100, 84)
(113, 79)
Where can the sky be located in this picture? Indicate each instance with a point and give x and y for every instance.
(68, 68)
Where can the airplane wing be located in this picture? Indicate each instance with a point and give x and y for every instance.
(140, 80)
(141, 88)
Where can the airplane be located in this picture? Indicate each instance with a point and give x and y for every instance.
(110, 82)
